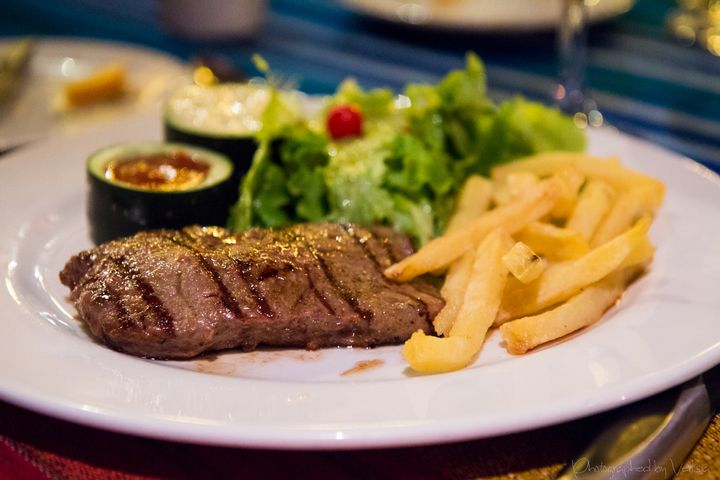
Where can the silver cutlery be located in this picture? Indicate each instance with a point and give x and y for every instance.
(650, 439)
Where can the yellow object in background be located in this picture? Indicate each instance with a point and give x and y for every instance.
(204, 76)
(106, 84)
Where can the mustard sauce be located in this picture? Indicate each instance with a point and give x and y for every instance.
(167, 171)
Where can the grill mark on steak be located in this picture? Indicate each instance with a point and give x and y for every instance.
(269, 272)
(318, 294)
(244, 270)
(343, 292)
(385, 243)
(422, 307)
(350, 231)
(110, 295)
(272, 272)
(226, 297)
(163, 318)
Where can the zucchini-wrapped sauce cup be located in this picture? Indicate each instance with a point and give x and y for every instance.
(144, 186)
(224, 117)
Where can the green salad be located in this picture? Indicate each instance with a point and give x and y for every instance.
(375, 156)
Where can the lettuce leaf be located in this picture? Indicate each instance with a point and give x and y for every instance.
(354, 177)
(303, 155)
(523, 128)
(242, 213)
(415, 171)
(407, 167)
(414, 217)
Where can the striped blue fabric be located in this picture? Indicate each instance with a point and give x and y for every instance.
(645, 82)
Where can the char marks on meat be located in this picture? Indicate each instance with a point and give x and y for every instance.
(177, 294)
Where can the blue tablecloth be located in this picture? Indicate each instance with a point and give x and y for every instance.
(645, 82)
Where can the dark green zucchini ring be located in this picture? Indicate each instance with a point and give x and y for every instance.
(222, 117)
(145, 186)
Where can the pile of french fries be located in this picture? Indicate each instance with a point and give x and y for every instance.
(541, 249)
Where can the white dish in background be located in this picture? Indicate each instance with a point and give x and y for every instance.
(481, 15)
(664, 331)
(36, 112)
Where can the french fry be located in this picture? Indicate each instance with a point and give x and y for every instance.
(512, 186)
(439, 253)
(474, 199)
(563, 280)
(628, 207)
(564, 207)
(554, 243)
(485, 287)
(643, 251)
(593, 204)
(580, 311)
(623, 179)
(566, 203)
(516, 183)
(425, 353)
(453, 292)
(546, 163)
(609, 170)
(523, 263)
(479, 308)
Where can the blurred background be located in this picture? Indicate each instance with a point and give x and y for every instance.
(651, 67)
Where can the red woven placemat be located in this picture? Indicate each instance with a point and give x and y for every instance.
(34, 446)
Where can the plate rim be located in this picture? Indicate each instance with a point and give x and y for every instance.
(90, 41)
(357, 438)
(371, 9)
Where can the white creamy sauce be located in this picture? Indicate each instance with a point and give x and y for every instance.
(230, 109)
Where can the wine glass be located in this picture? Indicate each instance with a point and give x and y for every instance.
(571, 94)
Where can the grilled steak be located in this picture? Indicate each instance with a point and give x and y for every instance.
(176, 294)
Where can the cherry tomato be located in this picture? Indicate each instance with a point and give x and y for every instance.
(344, 121)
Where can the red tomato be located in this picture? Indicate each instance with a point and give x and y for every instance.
(344, 121)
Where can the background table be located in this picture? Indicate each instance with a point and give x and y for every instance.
(645, 83)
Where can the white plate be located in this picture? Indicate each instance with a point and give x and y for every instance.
(664, 332)
(481, 15)
(36, 112)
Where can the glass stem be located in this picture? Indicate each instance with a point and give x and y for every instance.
(572, 51)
